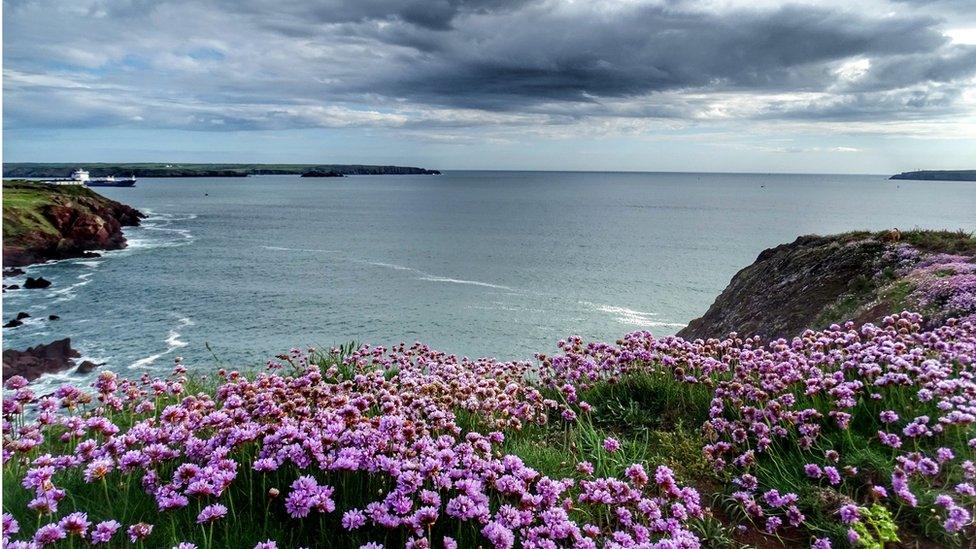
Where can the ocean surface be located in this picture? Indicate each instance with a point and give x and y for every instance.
(230, 272)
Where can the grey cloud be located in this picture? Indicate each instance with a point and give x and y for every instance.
(294, 63)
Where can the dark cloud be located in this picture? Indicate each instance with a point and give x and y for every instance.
(410, 63)
(555, 57)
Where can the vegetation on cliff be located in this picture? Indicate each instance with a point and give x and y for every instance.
(818, 280)
(43, 222)
(35, 169)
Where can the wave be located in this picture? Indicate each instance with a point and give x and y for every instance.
(309, 250)
(393, 266)
(69, 292)
(432, 278)
(140, 237)
(172, 341)
(633, 317)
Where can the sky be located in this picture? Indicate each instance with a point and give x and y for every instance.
(870, 86)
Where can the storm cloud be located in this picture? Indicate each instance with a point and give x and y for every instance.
(225, 65)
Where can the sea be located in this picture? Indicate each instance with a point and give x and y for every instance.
(229, 272)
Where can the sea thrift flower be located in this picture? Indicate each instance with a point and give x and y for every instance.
(49, 534)
(353, 519)
(212, 513)
(104, 531)
(849, 514)
(75, 524)
(611, 444)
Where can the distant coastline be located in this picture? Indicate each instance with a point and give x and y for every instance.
(938, 175)
(61, 169)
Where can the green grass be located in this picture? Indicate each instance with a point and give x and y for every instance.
(24, 202)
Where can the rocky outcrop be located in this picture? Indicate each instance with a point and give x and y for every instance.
(44, 222)
(54, 357)
(36, 283)
(817, 280)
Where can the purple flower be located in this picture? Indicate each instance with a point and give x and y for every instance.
(10, 525)
(75, 524)
(833, 476)
(269, 544)
(212, 513)
(353, 519)
(49, 534)
(849, 514)
(104, 531)
(611, 444)
(889, 416)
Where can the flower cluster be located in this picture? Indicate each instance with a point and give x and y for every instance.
(794, 393)
(393, 416)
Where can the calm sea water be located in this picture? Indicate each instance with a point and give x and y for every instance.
(477, 263)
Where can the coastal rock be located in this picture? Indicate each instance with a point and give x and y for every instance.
(53, 317)
(36, 361)
(819, 280)
(44, 222)
(36, 283)
(22, 315)
(13, 324)
(12, 287)
(87, 367)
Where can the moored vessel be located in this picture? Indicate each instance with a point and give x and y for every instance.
(82, 176)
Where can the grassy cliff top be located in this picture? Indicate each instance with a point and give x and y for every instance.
(24, 203)
(42, 221)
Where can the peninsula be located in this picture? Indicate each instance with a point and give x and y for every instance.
(61, 169)
(43, 222)
(938, 175)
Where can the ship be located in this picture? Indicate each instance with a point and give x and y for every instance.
(82, 177)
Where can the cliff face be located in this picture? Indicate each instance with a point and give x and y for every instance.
(815, 281)
(43, 222)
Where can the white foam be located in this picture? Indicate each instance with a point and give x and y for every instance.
(68, 292)
(172, 341)
(432, 278)
(143, 362)
(309, 250)
(633, 317)
(393, 266)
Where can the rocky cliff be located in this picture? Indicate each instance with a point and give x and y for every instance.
(818, 280)
(43, 222)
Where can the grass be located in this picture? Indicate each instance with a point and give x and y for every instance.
(24, 202)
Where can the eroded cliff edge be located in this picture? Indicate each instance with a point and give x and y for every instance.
(43, 222)
(861, 276)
